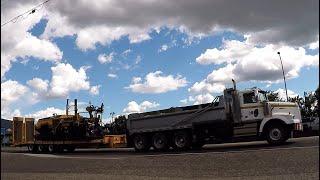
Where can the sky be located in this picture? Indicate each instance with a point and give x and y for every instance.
(143, 55)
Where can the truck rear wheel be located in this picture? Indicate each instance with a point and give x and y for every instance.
(181, 140)
(160, 141)
(141, 143)
(276, 134)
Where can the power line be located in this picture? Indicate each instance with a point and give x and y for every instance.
(30, 11)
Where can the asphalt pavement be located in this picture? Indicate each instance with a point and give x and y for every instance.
(297, 159)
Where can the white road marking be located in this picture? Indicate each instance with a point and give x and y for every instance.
(163, 155)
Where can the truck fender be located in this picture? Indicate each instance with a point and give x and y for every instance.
(279, 118)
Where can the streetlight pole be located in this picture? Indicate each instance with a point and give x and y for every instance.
(284, 77)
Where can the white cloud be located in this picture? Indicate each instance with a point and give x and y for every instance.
(94, 90)
(156, 83)
(126, 52)
(184, 101)
(260, 63)
(19, 44)
(7, 113)
(13, 95)
(11, 91)
(206, 87)
(198, 99)
(103, 58)
(66, 79)
(230, 52)
(45, 113)
(38, 84)
(121, 18)
(314, 45)
(138, 60)
(282, 94)
(203, 98)
(163, 48)
(134, 107)
(111, 75)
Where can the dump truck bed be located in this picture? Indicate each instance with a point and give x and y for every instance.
(176, 118)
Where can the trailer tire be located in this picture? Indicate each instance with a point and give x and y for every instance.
(181, 140)
(160, 142)
(141, 143)
(52, 148)
(42, 148)
(276, 134)
(32, 148)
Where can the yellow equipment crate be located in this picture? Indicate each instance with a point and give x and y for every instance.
(114, 141)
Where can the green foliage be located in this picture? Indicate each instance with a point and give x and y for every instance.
(118, 126)
(272, 96)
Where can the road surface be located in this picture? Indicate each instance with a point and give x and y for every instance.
(297, 159)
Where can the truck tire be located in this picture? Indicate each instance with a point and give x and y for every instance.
(141, 143)
(160, 142)
(181, 140)
(42, 148)
(52, 148)
(32, 148)
(276, 134)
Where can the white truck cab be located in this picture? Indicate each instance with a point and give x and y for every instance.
(276, 120)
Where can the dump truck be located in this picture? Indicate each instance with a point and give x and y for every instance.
(234, 116)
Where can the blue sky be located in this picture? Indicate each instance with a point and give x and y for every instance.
(181, 59)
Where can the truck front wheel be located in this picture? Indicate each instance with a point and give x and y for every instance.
(141, 143)
(276, 134)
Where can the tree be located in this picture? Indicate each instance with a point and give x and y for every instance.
(119, 125)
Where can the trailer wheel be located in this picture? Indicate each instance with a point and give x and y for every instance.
(32, 148)
(141, 143)
(276, 134)
(160, 141)
(181, 140)
(42, 148)
(52, 148)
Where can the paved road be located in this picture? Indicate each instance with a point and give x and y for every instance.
(298, 159)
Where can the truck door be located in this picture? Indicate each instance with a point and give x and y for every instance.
(251, 108)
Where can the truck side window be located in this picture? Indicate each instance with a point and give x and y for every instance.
(249, 98)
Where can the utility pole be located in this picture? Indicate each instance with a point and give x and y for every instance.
(284, 77)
